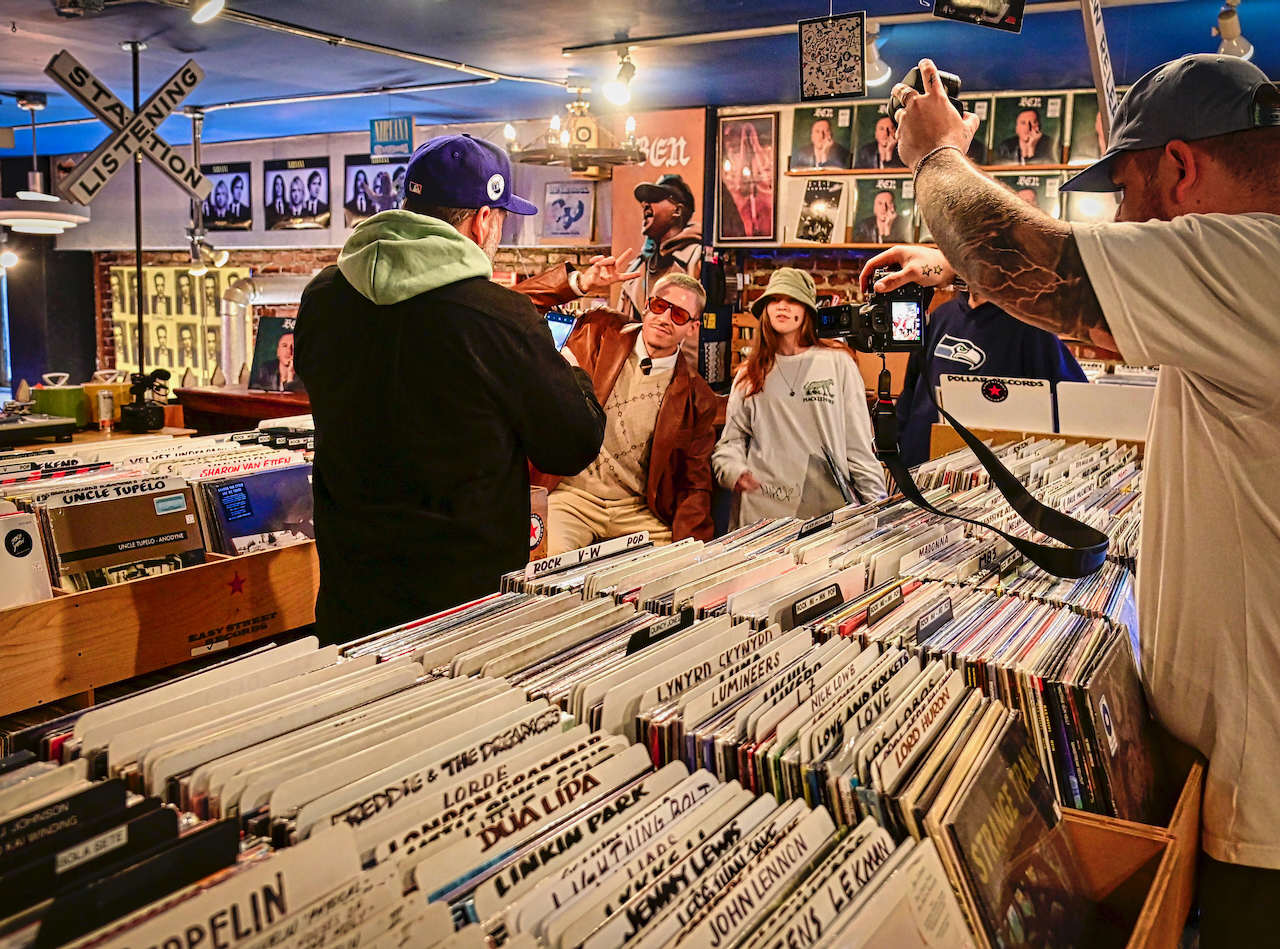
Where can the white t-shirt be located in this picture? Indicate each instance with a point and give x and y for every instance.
(1200, 296)
(779, 437)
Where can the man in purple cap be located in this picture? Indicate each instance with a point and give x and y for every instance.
(1194, 150)
(432, 388)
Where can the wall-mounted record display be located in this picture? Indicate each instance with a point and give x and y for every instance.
(229, 206)
(1027, 129)
(1038, 190)
(273, 369)
(295, 193)
(875, 138)
(1086, 140)
(820, 213)
(885, 210)
(822, 137)
(371, 183)
(982, 107)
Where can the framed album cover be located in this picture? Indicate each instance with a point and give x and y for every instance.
(568, 212)
(371, 183)
(885, 211)
(748, 177)
(822, 137)
(296, 193)
(876, 138)
(229, 206)
(833, 57)
(1027, 129)
(1038, 190)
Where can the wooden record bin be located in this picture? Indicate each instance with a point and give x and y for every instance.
(68, 645)
(1142, 877)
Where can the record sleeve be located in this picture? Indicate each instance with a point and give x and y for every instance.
(264, 510)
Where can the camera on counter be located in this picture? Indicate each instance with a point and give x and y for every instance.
(890, 322)
(145, 414)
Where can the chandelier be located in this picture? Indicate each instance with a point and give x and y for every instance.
(578, 143)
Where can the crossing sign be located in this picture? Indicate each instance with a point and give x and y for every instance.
(130, 133)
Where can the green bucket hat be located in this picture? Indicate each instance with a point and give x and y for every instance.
(793, 284)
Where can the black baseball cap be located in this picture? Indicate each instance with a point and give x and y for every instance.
(458, 171)
(670, 187)
(1195, 97)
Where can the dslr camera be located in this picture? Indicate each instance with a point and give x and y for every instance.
(890, 322)
(144, 415)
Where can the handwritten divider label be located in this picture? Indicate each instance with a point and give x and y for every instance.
(813, 606)
(608, 851)
(575, 558)
(762, 885)
(660, 630)
(252, 901)
(816, 524)
(491, 843)
(883, 606)
(933, 620)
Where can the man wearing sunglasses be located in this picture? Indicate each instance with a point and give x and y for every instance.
(654, 470)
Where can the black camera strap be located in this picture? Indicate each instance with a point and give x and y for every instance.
(1086, 547)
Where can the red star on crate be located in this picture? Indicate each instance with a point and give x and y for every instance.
(236, 583)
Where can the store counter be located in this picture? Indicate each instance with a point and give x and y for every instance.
(216, 409)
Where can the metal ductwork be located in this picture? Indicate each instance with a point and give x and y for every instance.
(237, 314)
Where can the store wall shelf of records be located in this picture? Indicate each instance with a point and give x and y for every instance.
(839, 142)
(70, 644)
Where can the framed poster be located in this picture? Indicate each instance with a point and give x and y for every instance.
(1085, 144)
(822, 137)
(820, 212)
(876, 137)
(229, 206)
(748, 177)
(833, 57)
(1027, 129)
(371, 183)
(1040, 191)
(273, 369)
(568, 212)
(182, 327)
(885, 210)
(980, 147)
(296, 193)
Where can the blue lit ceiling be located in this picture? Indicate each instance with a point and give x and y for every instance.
(526, 37)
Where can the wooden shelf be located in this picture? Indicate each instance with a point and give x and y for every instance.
(72, 644)
(232, 408)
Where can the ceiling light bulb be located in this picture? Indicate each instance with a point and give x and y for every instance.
(555, 122)
(509, 132)
(878, 71)
(1233, 43)
(631, 125)
(8, 259)
(205, 11)
(618, 90)
(564, 137)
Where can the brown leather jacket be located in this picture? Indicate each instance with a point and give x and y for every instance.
(680, 479)
(547, 289)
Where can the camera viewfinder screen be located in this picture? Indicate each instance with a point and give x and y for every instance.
(907, 326)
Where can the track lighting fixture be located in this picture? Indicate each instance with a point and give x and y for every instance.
(618, 90)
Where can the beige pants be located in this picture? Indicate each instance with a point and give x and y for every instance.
(576, 519)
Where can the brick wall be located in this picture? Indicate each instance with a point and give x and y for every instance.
(524, 261)
(834, 271)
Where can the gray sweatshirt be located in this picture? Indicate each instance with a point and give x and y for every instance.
(780, 437)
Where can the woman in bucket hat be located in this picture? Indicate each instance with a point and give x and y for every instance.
(798, 435)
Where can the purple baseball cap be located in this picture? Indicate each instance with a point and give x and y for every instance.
(458, 171)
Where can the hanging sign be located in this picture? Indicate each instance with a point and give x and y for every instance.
(131, 133)
(1104, 80)
(392, 136)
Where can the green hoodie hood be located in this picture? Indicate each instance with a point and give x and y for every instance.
(397, 254)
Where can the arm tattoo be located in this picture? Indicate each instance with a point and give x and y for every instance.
(1024, 262)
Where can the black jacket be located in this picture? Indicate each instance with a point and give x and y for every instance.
(426, 412)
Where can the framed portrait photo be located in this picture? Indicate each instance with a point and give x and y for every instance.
(747, 159)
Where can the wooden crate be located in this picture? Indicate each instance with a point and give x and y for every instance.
(70, 644)
(1143, 876)
(944, 439)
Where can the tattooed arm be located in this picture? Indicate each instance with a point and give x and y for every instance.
(1025, 262)
(1022, 260)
